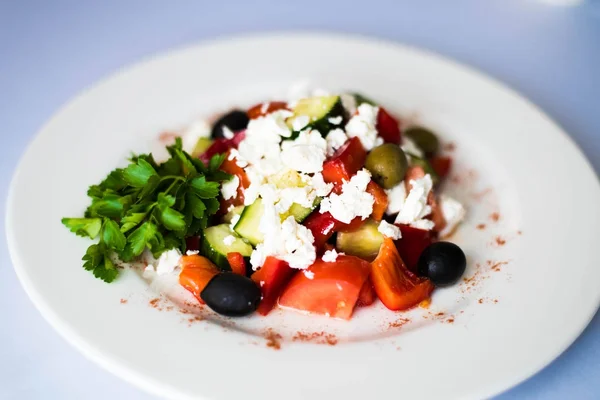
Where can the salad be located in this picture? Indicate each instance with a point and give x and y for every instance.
(321, 205)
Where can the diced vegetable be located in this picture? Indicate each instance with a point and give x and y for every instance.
(360, 99)
(388, 127)
(332, 290)
(363, 242)
(346, 161)
(214, 248)
(201, 146)
(232, 168)
(367, 294)
(192, 243)
(248, 224)
(262, 109)
(381, 200)
(387, 164)
(231, 294)
(441, 165)
(196, 272)
(395, 285)
(318, 110)
(271, 278)
(323, 226)
(412, 244)
(417, 162)
(221, 146)
(227, 218)
(237, 263)
(424, 139)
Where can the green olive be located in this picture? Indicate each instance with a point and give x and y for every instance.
(424, 138)
(387, 164)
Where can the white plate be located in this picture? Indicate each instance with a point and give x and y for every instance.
(499, 328)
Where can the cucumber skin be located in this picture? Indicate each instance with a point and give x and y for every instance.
(322, 124)
(218, 259)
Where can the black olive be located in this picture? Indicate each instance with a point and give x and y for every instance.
(443, 263)
(235, 120)
(231, 294)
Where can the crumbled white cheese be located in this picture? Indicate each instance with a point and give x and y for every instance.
(423, 224)
(228, 240)
(409, 146)
(288, 241)
(335, 120)
(335, 139)
(196, 130)
(227, 133)
(229, 188)
(306, 153)
(396, 197)
(349, 103)
(353, 202)
(300, 122)
(168, 261)
(363, 125)
(389, 230)
(453, 213)
(191, 252)
(317, 183)
(231, 208)
(308, 274)
(415, 207)
(330, 255)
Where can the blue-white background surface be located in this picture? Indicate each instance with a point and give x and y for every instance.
(51, 50)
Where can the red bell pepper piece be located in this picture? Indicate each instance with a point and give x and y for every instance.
(346, 162)
(196, 272)
(237, 263)
(395, 285)
(221, 146)
(332, 290)
(367, 294)
(381, 200)
(323, 226)
(441, 165)
(232, 168)
(388, 127)
(260, 110)
(412, 244)
(272, 278)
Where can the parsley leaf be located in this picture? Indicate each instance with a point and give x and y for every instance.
(86, 227)
(148, 206)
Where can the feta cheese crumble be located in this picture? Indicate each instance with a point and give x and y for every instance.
(306, 153)
(287, 240)
(335, 120)
(348, 102)
(300, 122)
(353, 202)
(309, 274)
(389, 230)
(229, 188)
(330, 255)
(363, 125)
(168, 261)
(228, 240)
(191, 252)
(335, 139)
(396, 198)
(415, 206)
(453, 213)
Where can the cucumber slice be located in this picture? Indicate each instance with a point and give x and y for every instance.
(363, 242)
(298, 212)
(227, 218)
(247, 226)
(216, 250)
(318, 110)
(423, 163)
(201, 146)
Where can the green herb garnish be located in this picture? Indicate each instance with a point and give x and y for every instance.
(148, 206)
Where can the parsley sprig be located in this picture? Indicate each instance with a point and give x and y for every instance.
(148, 206)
